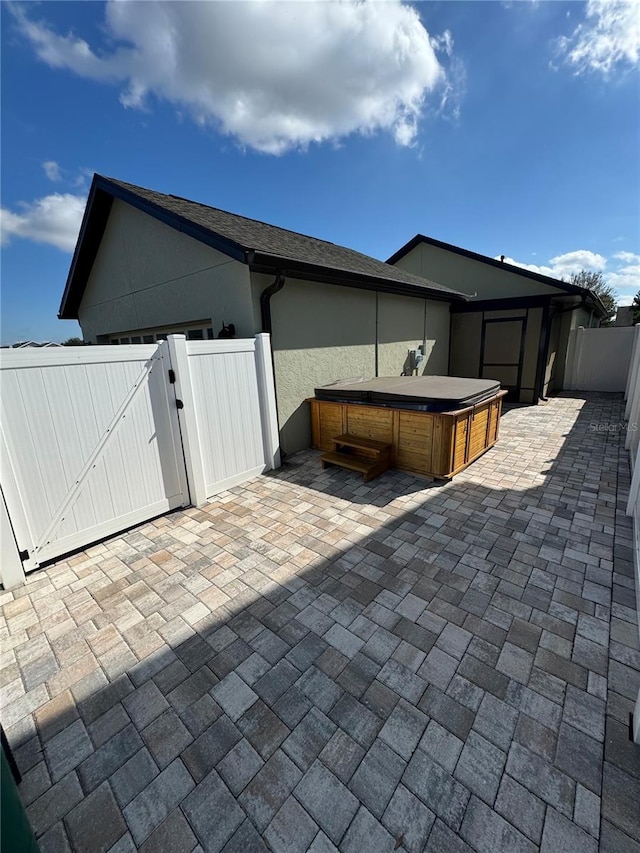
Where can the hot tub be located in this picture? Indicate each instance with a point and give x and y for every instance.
(421, 393)
(436, 425)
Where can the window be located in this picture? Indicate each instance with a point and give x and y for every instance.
(196, 331)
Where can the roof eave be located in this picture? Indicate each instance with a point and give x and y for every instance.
(565, 286)
(92, 230)
(180, 223)
(263, 263)
(91, 227)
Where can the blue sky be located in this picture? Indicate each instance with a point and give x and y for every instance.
(505, 128)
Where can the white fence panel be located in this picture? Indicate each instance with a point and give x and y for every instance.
(634, 371)
(89, 441)
(11, 571)
(599, 359)
(96, 439)
(632, 443)
(230, 424)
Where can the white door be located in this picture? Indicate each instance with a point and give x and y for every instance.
(90, 444)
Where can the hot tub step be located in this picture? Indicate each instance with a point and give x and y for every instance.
(364, 446)
(369, 467)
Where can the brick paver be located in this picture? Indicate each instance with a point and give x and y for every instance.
(310, 663)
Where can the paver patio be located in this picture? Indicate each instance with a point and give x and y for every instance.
(310, 663)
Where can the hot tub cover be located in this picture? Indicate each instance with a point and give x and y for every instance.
(443, 393)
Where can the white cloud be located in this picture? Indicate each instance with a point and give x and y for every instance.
(54, 219)
(626, 277)
(563, 266)
(542, 270)
(626, 280)
(609, 37)
(572, 262)
(275, 75)
(621, 270)
(52, 170)
(627, 257)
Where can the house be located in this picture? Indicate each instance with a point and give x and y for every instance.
(26, 344)
(515, 325)
(148, 264)
(624, 316)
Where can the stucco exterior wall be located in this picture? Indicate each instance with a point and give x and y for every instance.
(146, 274)
(323, 332)
(466, 335)
(404, 323)
(530, 360)
(582, 317)
(469, 276)
(553, 356)
(320, 333)
(561, 359)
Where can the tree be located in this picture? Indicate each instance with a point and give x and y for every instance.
(73, 342)
(596, 283)
(635, 308)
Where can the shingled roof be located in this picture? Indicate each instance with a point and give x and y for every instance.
(263, 247)
(559, 284)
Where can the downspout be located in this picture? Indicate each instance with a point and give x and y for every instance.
(265, 311)
(265, 300)
(424, 336)
(377, 333)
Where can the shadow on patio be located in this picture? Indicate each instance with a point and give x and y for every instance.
(311, 661)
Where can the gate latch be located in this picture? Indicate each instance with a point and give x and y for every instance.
(172, 376)
(179, 404)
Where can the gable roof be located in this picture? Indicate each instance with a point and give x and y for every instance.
(565, 286)
(263, 247)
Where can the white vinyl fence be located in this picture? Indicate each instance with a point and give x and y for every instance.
(598, 359)
(632, 443)
(96, 439)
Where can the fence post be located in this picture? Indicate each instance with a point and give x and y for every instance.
(179, 360)
(12, 571)
(633, 371)
(267, 392)
(634, 489)
(633, 423)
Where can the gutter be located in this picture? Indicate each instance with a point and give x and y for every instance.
(313, 272)
(265, 300)
(475, 256)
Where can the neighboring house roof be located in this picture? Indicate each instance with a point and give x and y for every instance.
(23, 344)
(565, 286)
(264, 247)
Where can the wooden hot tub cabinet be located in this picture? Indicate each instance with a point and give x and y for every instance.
(437, 444)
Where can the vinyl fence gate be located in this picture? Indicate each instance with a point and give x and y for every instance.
(94, 440)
